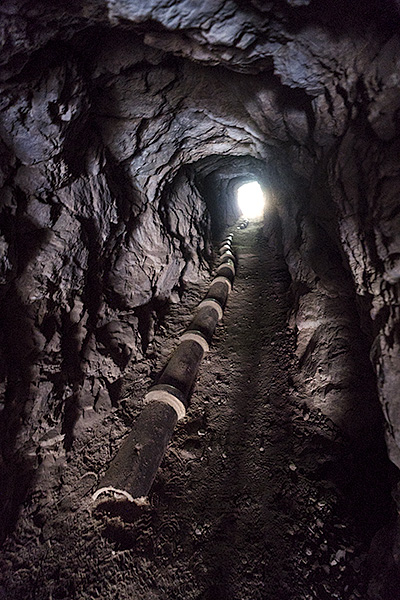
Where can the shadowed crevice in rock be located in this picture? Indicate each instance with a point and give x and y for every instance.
(18, 373)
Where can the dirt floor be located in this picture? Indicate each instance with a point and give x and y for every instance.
(257, 498)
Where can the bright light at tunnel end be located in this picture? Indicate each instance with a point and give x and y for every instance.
(251, 200)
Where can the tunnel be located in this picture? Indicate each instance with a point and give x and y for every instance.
(127, 130)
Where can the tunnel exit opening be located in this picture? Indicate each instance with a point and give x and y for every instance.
(251, 200)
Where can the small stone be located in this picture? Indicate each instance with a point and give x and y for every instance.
(356, 564)
(324, 547)
(292, 467)
(340, 554)
(326, 569)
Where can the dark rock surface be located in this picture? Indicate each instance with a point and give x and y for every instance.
(123, 126)
(260, 495)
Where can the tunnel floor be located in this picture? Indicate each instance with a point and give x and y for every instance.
(257, 498)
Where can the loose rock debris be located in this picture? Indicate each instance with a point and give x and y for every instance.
(255, 498)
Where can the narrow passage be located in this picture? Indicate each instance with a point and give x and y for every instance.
(259, 514)
(257, 498)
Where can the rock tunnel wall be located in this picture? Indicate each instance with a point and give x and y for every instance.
(113, 116)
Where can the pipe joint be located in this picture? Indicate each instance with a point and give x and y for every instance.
(214, 304)
(226, 265)
(168, 395)
(226, 257)
(221, 279)
(196, 336)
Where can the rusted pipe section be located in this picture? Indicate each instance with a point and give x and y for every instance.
(132, 471)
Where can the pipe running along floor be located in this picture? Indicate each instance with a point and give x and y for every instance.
(243, 507)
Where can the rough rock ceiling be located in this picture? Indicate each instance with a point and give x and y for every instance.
(116, 116)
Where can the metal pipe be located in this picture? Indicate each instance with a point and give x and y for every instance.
(204, 323)
(227, 255)
(219, 291)
(132, 471)
(226, 242)
(224, 248)
(181, 369)
(227, 271)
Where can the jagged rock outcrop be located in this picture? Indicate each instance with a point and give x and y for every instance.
(102, 103)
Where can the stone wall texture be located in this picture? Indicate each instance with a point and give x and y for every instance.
(118, 118)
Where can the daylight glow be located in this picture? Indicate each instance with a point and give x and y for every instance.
(251, 200)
